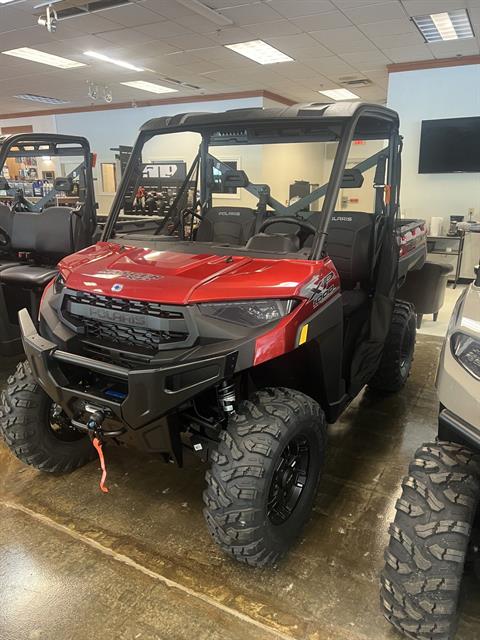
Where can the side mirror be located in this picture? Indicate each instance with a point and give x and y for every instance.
(4, 186)
(352, 179)
(63, 184)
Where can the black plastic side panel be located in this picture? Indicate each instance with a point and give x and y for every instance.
(315, 368)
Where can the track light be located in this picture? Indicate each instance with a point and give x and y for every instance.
(92, 91)
(107, 94)
(49, 20)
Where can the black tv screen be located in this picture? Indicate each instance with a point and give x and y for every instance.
(450, 145)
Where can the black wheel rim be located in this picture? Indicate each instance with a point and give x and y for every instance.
(289, 480)
(60, 425)
(406, 351)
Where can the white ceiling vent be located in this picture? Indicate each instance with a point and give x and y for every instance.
(351, 81)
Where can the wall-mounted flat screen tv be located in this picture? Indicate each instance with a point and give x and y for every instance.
(450, 145)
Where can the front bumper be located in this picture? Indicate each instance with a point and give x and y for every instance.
(147, 396)
(454, 429)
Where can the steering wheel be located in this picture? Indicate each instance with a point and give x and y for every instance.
(5, 241)
(188, 211)
(303, 224)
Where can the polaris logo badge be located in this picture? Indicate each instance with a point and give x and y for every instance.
(117, 287)
(229, 213)
(117, 317)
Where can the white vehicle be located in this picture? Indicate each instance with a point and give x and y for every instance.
(430, 535)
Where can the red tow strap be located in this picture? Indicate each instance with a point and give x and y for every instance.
(98, 446)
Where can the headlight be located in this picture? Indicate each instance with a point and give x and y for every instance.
(58, 284)
(466, 351)
(248, 313)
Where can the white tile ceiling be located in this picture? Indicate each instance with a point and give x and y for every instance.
(331, 41)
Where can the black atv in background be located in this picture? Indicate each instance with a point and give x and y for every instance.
(43, 218)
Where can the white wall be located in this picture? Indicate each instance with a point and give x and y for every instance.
(429, 94)
(107, 129)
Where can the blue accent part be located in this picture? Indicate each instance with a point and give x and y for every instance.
(113, 393)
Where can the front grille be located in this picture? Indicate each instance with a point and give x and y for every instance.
(133, 325)
(132, 337)
(154, 309)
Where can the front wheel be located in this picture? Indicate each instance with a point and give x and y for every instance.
(34, 432)
(397, 357)
(429, 537)
(264, 476)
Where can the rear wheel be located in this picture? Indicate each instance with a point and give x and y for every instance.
(420, 583)
(264, 476)
(397, 357)
(35, 431)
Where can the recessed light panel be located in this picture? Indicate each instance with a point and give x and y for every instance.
(44, 99)
(34, 55)
(449, 25)
(259, 51)
(104, 58)
(149, 86)
(340, 94)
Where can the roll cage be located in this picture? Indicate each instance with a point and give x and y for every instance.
(35, 145)
(340, 123)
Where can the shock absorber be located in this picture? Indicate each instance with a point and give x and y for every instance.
(226, 396)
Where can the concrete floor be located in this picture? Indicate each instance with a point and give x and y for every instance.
(138, 564)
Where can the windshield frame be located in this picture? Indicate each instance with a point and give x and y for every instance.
(272, 130)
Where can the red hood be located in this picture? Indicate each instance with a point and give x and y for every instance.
(179, 278)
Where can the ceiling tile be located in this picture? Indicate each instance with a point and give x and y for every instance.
(366, 59)
(12, 18)
(274, 28)
(167, 8)
(424, 7)
(331, 67)
(125, 37)
(93, 23)
(289, 44)
(467, 47)
(375, 12)
(230, 35)
(298, 8)
(409, 54)
(345, 40)
(190, 42)
(355, 4)
(251, 14)
(389, 27)
(398, 40)
(164, 29)
(130, 15)
(307, 53)
(330, 20)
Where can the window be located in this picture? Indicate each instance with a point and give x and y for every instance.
(109, 177)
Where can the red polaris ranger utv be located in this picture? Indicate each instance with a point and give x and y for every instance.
(240, 325)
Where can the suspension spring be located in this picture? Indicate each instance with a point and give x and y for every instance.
(227, 397)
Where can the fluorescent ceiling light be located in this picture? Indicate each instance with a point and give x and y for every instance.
(44, 99)
(259, 51)
(148, 86)
(340, 94)
(45, 58)
(5, 1)
(449, 25)
(119, 63)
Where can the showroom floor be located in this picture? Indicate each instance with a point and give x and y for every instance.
(138, 564)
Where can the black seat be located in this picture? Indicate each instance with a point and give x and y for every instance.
(227, 225)
(349, 245)
(49, 234)
(28, 275)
